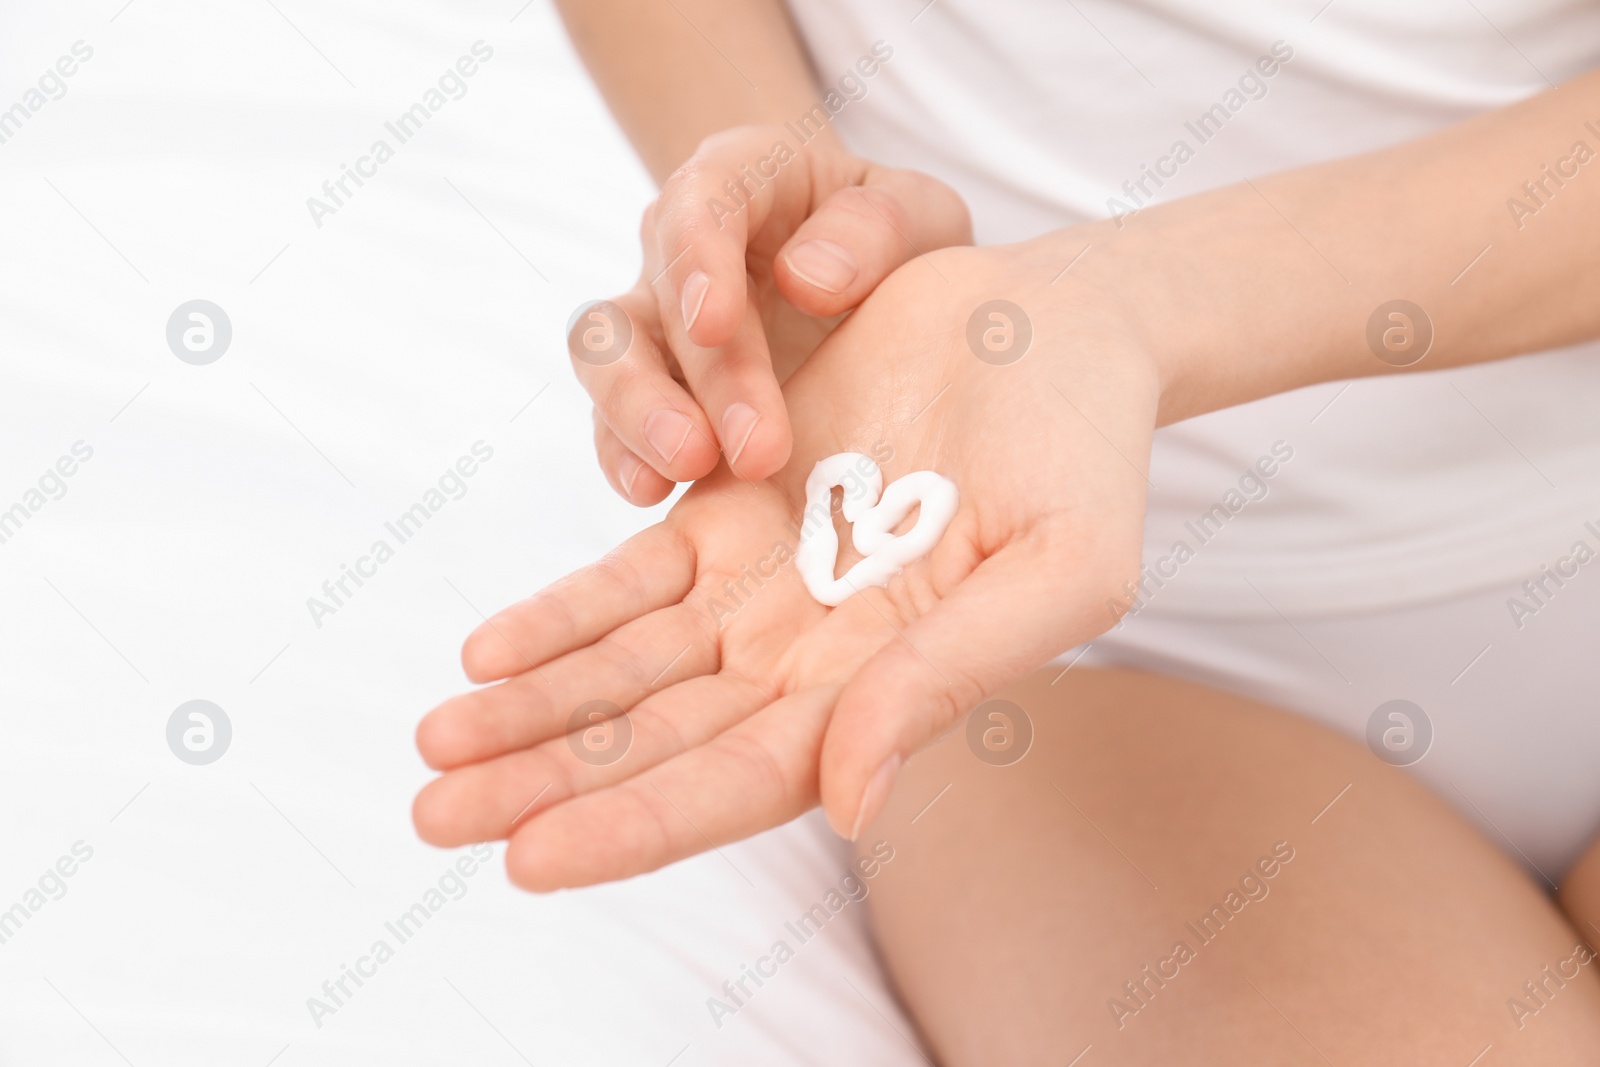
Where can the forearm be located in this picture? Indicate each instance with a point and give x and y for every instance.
(674, 73)
(1263, 287)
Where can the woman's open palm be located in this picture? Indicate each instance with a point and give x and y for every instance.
(687, 691)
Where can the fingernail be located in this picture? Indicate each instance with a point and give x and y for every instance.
(667, 430)
(628, 470)
(824, 264)
(877, 792)
(695, 287)
(738, 423)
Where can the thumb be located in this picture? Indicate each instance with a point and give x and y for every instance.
(861, 233)
(1020, 607)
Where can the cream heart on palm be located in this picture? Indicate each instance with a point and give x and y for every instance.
(875, 511)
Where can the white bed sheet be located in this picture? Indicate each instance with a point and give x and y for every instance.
(368, 354)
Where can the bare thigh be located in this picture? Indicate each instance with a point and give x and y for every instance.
(1175, 875)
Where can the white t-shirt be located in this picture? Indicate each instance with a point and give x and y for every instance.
(1394, 490)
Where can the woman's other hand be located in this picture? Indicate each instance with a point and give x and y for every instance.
(753, 249)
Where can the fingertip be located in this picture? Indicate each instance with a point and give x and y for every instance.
(637, 483)
(711, 310)
(756, 444)
(441, 741)
(739, 424)
(530, 868)
(484, 657)
(629, 469)
(692, 298)
(658, 490)
(763, 458)
(429, 816)
(839, 817)
(817, 275)
(823, 264)
(853, 800)
(842, 252)
(668, 431)
(864, 232)
(876, 795)
(697, 462)
(424, 737)
(683, 444)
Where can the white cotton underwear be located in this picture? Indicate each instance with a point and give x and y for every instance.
(1504, 680)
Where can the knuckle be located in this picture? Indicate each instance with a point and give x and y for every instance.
(764, 767)
(963, 693)
(654, 841)
(880, 207)
(684, 185)
(648, 721)
(609, 391)
(563, 619)
(683, 174)
(551, 766)
(615, 568)
(946, 692)
(624, 660)
(622, 390)
(946, 206)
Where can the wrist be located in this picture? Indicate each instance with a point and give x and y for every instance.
(1089, 295)
(1226, 312)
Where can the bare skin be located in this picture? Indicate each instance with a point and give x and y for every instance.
(745, 719)
(1580, 894)
(1243, 291)
(1186, 308)
(1019, 903)
(815, 230)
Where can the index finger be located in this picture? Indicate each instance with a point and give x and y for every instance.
(704, 218)
(649, 570)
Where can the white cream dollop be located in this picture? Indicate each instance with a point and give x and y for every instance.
(875, 511)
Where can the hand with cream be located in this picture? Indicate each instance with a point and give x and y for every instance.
(1012, 488)
(873, 513)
